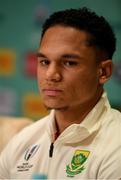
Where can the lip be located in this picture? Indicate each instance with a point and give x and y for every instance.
(52, 92)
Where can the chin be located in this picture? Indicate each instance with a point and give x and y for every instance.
(56, 107)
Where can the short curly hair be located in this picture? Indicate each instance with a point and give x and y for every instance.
(102, 35)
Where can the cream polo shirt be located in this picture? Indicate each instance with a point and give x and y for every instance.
(90, 150)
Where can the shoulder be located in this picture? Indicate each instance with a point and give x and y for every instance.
(27, 136)
(113, 120)
(17, 146)
(116, 114)
(109, 147)
(109, 135)
(35, 129)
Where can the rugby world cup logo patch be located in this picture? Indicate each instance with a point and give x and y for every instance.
(31, 151)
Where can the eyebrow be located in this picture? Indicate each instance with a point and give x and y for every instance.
(66, 56)
(39, 54)
(71, 56)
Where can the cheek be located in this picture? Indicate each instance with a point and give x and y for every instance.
(40, 75)
(39, 79)
(84, 84)
(73, 86)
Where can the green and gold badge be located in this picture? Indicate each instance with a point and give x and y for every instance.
(77, 163)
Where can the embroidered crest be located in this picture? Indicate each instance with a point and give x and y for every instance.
(77, 162)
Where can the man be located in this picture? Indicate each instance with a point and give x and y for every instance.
(81, 138)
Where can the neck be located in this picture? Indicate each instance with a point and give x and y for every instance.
(73, 115)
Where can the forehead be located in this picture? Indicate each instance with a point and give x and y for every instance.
(64, 34)
(60, 39)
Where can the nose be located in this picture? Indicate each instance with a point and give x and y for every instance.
(53, 73)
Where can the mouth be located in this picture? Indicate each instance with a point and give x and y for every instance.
(52, 92)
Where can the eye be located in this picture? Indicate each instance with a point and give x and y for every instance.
(44, 62)
(70, 63)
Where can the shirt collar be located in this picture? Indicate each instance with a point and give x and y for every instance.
(95, 117)
(90, 124)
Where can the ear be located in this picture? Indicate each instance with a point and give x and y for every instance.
(105, 71)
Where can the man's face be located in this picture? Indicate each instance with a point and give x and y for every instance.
(68, 72)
